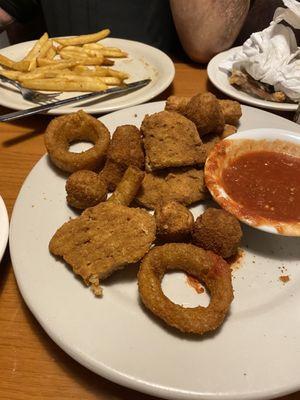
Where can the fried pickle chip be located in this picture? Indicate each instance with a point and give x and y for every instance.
(186, 186)
(103, 239)
(170, 140)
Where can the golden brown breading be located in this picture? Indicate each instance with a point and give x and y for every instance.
(125, 149)
(85, 189)
(66, 129)
(205, 111)
(228, 130)
(173, 222)
(103, 239)
(170, 140)
(185, 186)
(176, 103)
(218, 231)
(203, 265)
(232, 111)
(128, 187)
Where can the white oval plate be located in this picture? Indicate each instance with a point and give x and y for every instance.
(256, 353)
(143, 62)
(220, 80)
(4, 227)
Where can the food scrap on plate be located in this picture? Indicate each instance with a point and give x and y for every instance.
(267, 66)
(157, 167)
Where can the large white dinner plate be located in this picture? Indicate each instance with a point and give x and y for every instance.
(255, 354)
(143, 62)
(4, 227)
(220, 80)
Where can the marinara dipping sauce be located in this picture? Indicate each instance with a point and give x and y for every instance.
(266, 183)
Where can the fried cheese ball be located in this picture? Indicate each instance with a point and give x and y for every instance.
(218, 231)
(205, 111)
(173, 222)
(232, 111)
(85, 189)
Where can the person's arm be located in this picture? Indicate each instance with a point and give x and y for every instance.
(207, 27)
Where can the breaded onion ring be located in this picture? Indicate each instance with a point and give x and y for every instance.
(63, 131)
(204, 265)
(85, 189)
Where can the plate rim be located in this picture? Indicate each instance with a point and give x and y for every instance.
(4, 227)
(161, 86)
(213, 69)
(121, 378)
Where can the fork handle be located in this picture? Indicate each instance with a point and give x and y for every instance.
(8, 80)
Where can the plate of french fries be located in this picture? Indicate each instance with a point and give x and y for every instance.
(81, 64)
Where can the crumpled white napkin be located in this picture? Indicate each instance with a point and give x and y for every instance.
(272, 55)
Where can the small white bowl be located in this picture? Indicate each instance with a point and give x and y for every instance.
(234, 146)
(4, 227)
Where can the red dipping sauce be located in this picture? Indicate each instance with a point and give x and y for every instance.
(265, 183)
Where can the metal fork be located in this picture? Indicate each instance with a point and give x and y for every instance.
(28, 94)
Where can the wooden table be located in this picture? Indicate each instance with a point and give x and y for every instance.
(32, 366)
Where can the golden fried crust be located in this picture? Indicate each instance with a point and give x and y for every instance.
(205, 111)
(176, 103)
(170, 140)
(204, 265)
(218, 231)
(185, 186)
(125, 149)
(103, 239)
(85, 189)
(228, 130)
(174, 222)
(63, 131)
(232, 111)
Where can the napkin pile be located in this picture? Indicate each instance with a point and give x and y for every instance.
(272, 55)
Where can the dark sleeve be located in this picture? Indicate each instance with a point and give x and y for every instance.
(21, 10)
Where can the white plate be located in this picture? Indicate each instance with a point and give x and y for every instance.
(256, 353)
(4, 227)
(143, 62)
(220, 80)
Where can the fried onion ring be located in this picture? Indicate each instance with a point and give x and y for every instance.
(63, 131)
(204, 265)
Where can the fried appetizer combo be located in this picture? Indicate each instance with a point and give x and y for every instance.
(170, 140)
(218, 231)
(231, 109)
(174, 222)
(67, 129)
(125, 149)
(186, 186)
(85, 189)
(205, 266)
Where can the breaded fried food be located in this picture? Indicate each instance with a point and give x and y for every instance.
(218, 231)
(85, 189)
(62, 131)
(170, 140)
(205, 111)
(186, 186)
(103, 239)
(174, 222)
(176, 103)
(203, 265)
(125, 149)
(209, 141)
(231, 110)
(128, 187)
(228, 130)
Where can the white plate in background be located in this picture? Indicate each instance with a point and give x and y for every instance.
(4, 227)
(220, 80)
(143, 62)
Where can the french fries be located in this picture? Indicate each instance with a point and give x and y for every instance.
(73, 64)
